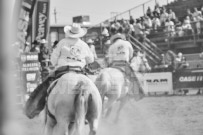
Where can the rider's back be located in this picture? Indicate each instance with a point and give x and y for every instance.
(121, 50)
(72, 52)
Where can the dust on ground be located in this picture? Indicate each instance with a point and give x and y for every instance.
(175, 115)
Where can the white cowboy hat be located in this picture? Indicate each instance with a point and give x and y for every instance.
(90, 41)
(105, 32)
(74, 31)
(117, 36)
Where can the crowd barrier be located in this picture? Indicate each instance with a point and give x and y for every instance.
(168, 82)
(30, 71)
(159, 82)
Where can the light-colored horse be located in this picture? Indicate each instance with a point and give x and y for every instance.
(112, 84)
(73, 100)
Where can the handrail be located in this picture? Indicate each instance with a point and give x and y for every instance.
(121, 13)
(154, 45)
(145, 48)
(148, 56)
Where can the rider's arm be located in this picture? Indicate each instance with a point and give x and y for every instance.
(130, 51)
(89, 55)
(56, 53)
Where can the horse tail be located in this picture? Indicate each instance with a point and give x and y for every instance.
(80, 104)
(103, 83)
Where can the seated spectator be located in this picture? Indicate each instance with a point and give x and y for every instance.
(147, 22)
(183, 64)
(171, 15)
(187, 26)
(169, 28)
(156, 23)
(179, 31)
(179, 57)
(163, 17)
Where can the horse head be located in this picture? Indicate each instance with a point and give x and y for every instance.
(36, 102)
(144, 65)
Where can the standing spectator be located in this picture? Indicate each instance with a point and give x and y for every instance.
(149, 12)
(189, 13)
(92, 48)
(105, 37)
(157, 11)
(138, 30)
(106, 46)
(55, 44)
(126, 27)
(163, 17)
(171, 15)
(199, 19)
(197, 13)
(132, 20)
(35, 47)
(202, 11)
(105, 32)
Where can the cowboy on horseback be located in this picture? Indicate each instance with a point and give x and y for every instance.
(71, 54)
(119, 55)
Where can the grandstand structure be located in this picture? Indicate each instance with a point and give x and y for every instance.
(158, 42)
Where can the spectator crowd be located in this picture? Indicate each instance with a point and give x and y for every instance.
(160, 20)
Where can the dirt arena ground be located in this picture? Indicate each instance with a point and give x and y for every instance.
(176, 115)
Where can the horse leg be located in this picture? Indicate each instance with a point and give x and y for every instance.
(122, 104)
(60, 128)
(109, 105)
(93, 124)
(71, 128)
(49, 125)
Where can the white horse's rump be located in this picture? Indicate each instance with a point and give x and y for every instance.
(113, 84)
(73, 99)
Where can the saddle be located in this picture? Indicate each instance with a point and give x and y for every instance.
(124, 67)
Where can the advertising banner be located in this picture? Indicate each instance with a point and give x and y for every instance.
(188, 79)
(25, 14)
(30, 71)
(158, 82)
(41, 20)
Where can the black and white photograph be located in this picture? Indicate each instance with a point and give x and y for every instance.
(101, 67)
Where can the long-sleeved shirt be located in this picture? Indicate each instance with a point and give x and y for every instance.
(72, 52)
(120, 50)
